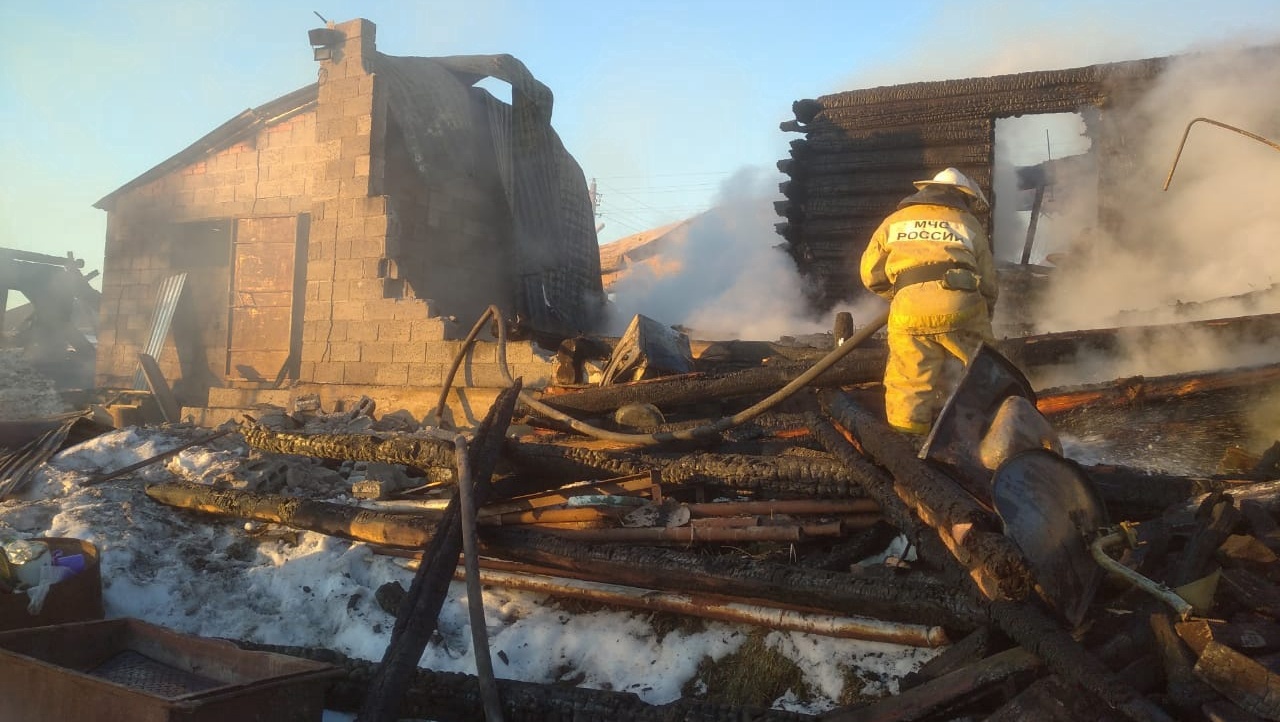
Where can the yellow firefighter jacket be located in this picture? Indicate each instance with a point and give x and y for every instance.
(938, 236)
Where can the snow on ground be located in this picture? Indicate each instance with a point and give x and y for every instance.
(224, 578)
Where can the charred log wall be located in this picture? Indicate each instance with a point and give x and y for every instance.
(863, 148)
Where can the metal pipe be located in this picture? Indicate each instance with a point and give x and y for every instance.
(691, 434)
(471, 563)
(1210, 121)
(784, 506)
(1150, 586)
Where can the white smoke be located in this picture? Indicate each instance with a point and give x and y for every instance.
(1212, 234)
(723, 275)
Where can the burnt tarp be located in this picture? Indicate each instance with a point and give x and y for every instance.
(558, 287)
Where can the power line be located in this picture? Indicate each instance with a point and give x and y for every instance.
(666, 175)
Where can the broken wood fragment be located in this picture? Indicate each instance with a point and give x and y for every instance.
(1184, 690)
(949, 690)
(1240, 679)
(1249, 637)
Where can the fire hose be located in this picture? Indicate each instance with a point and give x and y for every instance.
(699, 432)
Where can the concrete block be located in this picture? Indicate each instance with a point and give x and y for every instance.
(329, 373)
(409, 352)
(378, 352)
(395, 374)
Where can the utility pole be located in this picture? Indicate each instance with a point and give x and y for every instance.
(594, 195)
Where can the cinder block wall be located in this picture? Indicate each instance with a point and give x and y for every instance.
(150, 237)
(363, 330)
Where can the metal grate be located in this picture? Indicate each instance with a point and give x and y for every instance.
(137, 671)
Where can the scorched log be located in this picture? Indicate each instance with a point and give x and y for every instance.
(1019, 617)
(778, 476)
(418, 614)
(858, 367)
(971, 533)
(395, 529)
(414, 451)
(898, 599)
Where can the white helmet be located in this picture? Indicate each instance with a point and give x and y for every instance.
(959, 181)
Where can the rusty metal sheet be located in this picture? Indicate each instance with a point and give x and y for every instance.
(63, 672)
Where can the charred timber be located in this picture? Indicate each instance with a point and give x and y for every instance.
(454, 697)
(1022, 620)
(824, 140)
(773, 476)
(897, 599)
(858, 367)
(1131, 493)
(418, 614)
(892, 159)
(395, 529)
(417, 452)
(946, 692)
(1138, 390)
(971, 533)
(1109, 75)
(571, 463)
(1036, 632)
(915, 111)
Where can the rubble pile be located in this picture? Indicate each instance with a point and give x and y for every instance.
(782, 520)
(783, 512)
(25, 393)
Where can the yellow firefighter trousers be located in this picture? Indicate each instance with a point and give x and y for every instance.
(923, 370)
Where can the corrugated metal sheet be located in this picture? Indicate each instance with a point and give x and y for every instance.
(167, 297)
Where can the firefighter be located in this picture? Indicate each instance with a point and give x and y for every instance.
(931, 259)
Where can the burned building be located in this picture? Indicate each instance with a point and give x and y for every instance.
(344, 236)
(863, 148)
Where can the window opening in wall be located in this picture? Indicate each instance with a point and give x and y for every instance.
(1046, 187)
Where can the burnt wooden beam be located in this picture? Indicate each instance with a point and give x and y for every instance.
(897, 599)
(415, 451)
(1021, 619)
(1138, 389)
(858, 367)
(1183, 689)
(970, 532)
(1049, 699)
(1035, 631)
(396, 529)
(786, 476)
(977, 645)
(571, 462)
(946, 692)
(1240, 679)
(1216, 520)
(418, 614)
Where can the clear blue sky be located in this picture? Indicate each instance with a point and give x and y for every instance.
(660, 100)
